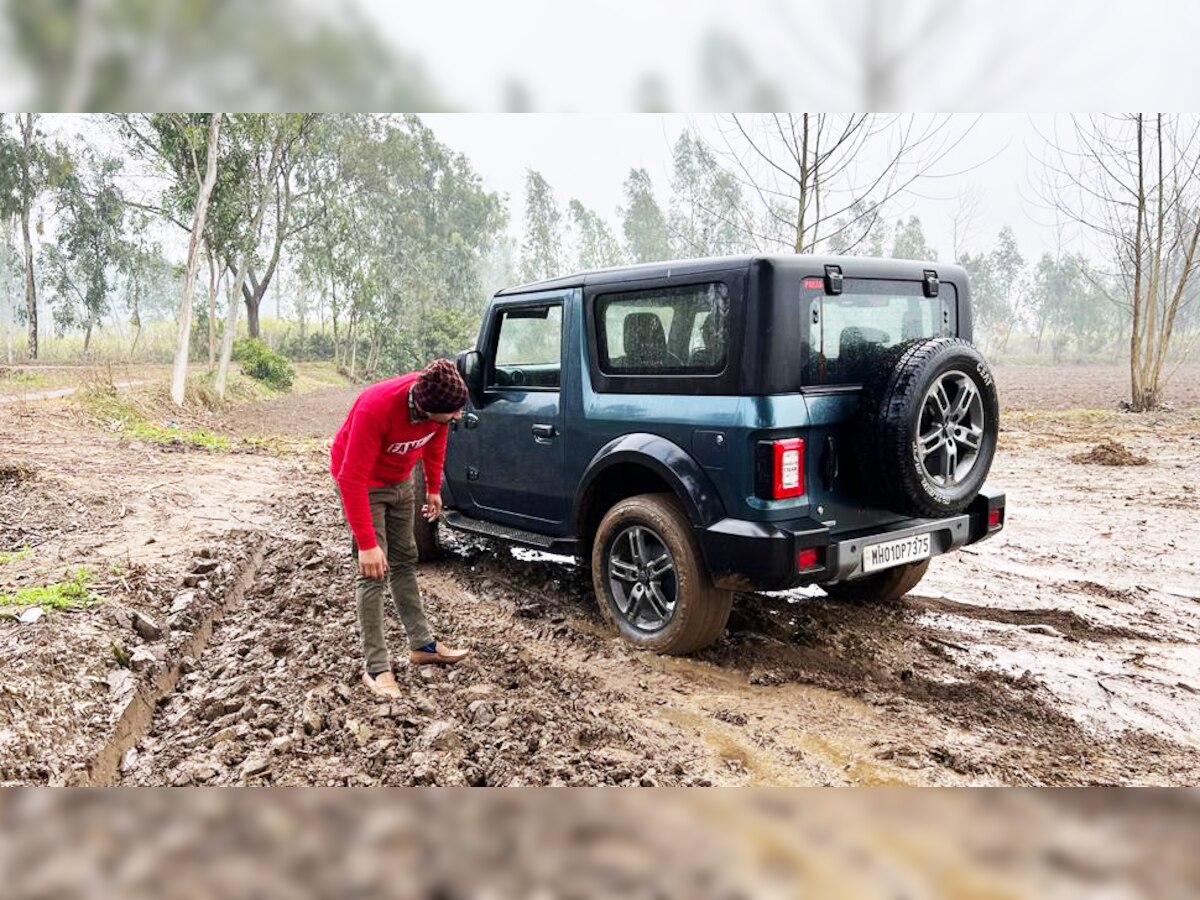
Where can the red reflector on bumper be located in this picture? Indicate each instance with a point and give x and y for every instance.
(995, 517)
(808, 558)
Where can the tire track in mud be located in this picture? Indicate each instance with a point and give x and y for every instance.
(277, 698)
(920, 705)
(808, 692)
(134, 721)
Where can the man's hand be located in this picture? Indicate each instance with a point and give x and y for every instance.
(432, 508)
(372, 563)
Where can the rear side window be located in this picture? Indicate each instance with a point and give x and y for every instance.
(664, 331)
(529, 348)
(848, 333)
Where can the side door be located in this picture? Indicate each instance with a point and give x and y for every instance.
(516, 476)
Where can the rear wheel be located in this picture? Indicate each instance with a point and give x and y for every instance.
(651, 581)
(429, 544)
(890, 584)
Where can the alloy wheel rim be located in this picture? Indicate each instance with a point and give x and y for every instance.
(950, 430)
(642, 578)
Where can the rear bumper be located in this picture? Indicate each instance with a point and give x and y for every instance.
(763, 556)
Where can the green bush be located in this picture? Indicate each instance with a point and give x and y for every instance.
(263, 364)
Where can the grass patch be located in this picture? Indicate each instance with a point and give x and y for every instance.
(167, 434)
(21, 378)
(125, 414)
(201, 392)
(1057, 416)
(316, 376)
(73, 593)
(15, 555)
(275, 445)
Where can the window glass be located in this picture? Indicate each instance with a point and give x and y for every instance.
(848, 333)
(666, 331)
(529, 348)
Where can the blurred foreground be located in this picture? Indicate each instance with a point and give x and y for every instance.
(539, 843)
(76, 55)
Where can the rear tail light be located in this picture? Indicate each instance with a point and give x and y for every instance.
(780, 470)
(995, 518)
(808, 558)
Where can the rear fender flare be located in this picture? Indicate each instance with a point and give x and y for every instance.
(666, 459)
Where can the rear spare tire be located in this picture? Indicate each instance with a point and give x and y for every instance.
(927, 427)
(650, 578)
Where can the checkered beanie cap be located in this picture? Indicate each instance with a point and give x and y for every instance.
(440, 389)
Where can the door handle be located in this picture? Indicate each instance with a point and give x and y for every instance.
(470, 420)
(544, 433)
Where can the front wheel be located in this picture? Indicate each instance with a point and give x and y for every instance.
(890, 584)
(651, 581)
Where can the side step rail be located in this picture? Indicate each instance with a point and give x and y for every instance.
(459, 522)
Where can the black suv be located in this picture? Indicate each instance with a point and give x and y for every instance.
(707, 426)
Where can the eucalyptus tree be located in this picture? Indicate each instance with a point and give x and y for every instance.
(643, 224)
(707, 216)
(82, 261)
(909, 241)
(28, 168)
(594, 242)
(258, 143)
(541, 245)
(401, 231)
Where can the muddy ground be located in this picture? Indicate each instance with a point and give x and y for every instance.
(1062, 652)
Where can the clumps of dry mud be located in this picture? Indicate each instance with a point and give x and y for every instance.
(15, 473)
(276, 698)
(1110, 453)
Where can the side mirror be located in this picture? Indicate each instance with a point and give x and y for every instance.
(470, 367)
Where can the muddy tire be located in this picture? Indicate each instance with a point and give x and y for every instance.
(927, 427)
(879, 587)
(650, 578)
(429, 545)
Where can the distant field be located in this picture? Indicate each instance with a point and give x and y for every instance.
(1084, 387)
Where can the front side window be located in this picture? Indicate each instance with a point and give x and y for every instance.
(664, 331)
(848, 333)
(529, 348)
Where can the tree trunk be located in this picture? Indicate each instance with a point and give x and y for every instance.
(252, 304)
(230, 335)
(26, 204)
(212, 310)
(10, 318)
(136, 318)
(87, 334)
(1135, 351)
(179, 372)
(333, 308)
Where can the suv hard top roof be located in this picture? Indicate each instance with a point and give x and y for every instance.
(802, 264)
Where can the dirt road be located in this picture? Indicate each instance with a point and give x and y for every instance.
(1063, 652)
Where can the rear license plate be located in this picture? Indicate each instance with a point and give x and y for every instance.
(895, 553)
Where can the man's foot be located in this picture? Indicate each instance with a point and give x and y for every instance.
(383, 684)
(440, 655)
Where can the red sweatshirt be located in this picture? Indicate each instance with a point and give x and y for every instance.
(378, 445)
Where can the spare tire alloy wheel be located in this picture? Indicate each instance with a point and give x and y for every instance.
(642, 579)
(951, 429)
